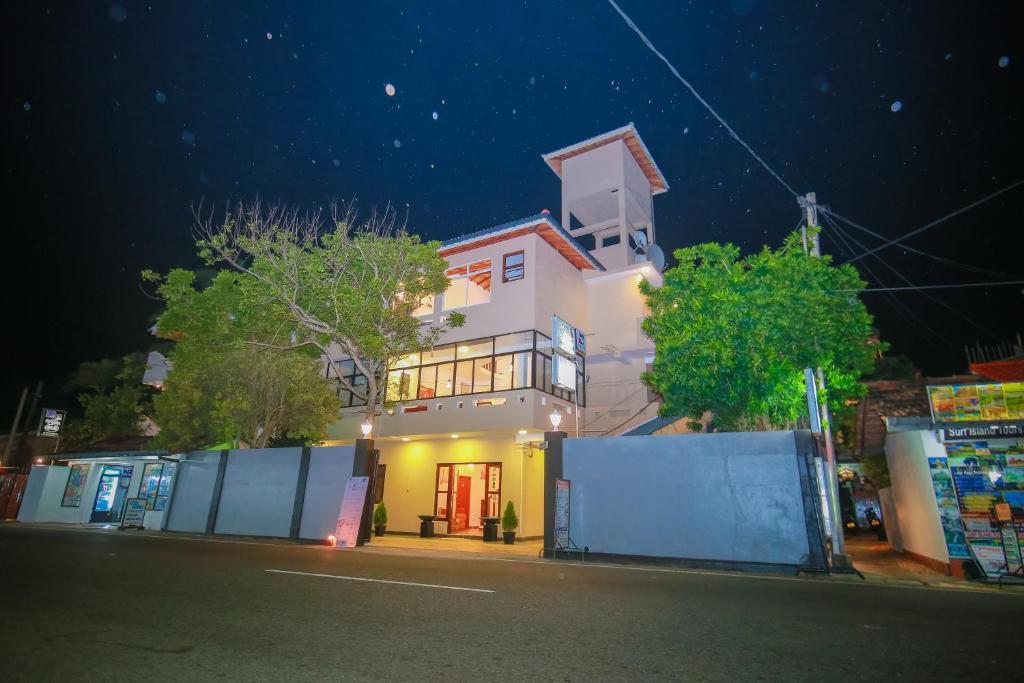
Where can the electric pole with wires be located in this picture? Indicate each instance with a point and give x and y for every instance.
(819, 404)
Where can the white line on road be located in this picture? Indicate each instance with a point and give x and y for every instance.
(397, 583)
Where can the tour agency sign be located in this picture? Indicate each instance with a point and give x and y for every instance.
(51, 422)
(966, 412)
(567, 343)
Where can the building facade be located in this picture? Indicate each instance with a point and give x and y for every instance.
(460, 439)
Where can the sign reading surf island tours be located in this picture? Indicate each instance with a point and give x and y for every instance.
(346, 532)
(977, 402)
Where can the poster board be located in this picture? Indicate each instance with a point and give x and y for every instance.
(563, 488)
(976, 402)
(134, 513)
(346, 531)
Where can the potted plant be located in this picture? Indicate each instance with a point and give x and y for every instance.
(380, 520)
(509, 522)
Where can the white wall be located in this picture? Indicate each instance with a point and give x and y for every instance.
(329, 470)
(190, 503)
(45, 491)
(720, 497)
(258, 495)
(912, 493)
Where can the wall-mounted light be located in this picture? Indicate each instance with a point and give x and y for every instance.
(556, 419)
(405, 438)
(455, 436)
(522, 432)
(367, 427)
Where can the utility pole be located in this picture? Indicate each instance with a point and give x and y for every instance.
(812, 246)
(14, 427)
(29, 417)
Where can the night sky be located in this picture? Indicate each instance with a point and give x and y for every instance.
(119, 116)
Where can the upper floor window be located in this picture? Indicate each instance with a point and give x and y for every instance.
(513, 266)
(468, 285)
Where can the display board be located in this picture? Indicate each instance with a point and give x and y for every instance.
(134, 513)
(976, 402)
(562, 491)
(979, 490)
(346, 531)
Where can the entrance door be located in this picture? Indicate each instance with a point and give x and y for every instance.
(111, 493)
(460, 522)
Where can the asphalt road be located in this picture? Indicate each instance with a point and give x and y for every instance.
(85, 605)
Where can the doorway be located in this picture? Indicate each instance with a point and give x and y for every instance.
(111, 493)
(465, 493)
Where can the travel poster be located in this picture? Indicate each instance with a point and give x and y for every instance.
(942, 403)
(993, 405)
(966, 402)
(1013, 394)
(949, 509)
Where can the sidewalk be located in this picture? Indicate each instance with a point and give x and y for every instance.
(458, 544)
(877, 560)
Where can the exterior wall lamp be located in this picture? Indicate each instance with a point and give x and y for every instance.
(367, 427)
(556, 419)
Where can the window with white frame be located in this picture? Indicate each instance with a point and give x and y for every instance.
(468, 285)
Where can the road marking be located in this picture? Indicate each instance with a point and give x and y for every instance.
(369, 580)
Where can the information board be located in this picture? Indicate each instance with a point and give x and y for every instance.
(562, 489)
(346, 531)
(134, 513)
(976, 402)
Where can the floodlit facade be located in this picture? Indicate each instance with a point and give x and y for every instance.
(460, 441)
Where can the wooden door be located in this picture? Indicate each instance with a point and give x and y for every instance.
(460, 521)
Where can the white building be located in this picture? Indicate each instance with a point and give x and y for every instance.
(457, 443)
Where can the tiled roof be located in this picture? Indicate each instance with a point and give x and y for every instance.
(630, 137)
(1008, 370)
(522, 222)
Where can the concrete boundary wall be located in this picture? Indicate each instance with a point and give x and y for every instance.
(731, 498)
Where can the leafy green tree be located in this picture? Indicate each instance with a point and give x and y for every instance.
(342, 287)
(223, 388)
(113, 399)
(733, 334)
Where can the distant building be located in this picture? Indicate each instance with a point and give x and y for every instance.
(458, 442)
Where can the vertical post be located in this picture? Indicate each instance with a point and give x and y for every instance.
(23, 434)
(552, 471)
(14, 426)
(300, 493)
(364, 464)
(218, 487)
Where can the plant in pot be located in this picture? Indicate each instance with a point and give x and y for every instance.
(380, 520)
(509, 522)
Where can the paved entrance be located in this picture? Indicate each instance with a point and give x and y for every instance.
(458, 544)
(877, 560)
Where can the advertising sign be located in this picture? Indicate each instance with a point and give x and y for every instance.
(977, 402)
(949, 508)
(563, 372)
(563, 336)
(51, 421)
(982, 431)
(134, 513)
(346, 531)
(76, 482)
(562, 489)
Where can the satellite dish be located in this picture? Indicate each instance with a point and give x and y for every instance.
(657, 257)
(641, 239)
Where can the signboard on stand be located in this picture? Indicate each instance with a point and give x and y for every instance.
(51, 422)
(562, 489)
(134, 513)
(346, 531)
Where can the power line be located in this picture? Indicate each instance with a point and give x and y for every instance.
(693, 91)
(936, 222)
(941, 259)
(900, 307)
(951, 286)
(892, 297)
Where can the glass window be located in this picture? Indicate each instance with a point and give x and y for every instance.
(544, 365)
(402, 384)
(441, 494)
(164, 488)
(513, 266)
(468, 285)
(346, 367)
(522, 375)
(475, 348)
(426, 306)
(76, 482)
(407, 361)
(428, 378)
(439, 354)
(518, 341)
(464, 377)
(482, 371)
(543, 343)
(504, 370)
(150, 483)
(445, 379)
(359, 382)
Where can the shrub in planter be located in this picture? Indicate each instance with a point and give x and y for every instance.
(380, 520)
(509, 522)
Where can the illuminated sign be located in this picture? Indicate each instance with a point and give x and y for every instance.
(51, 422)
(566, 338)
(563, 372)
(977, 402)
